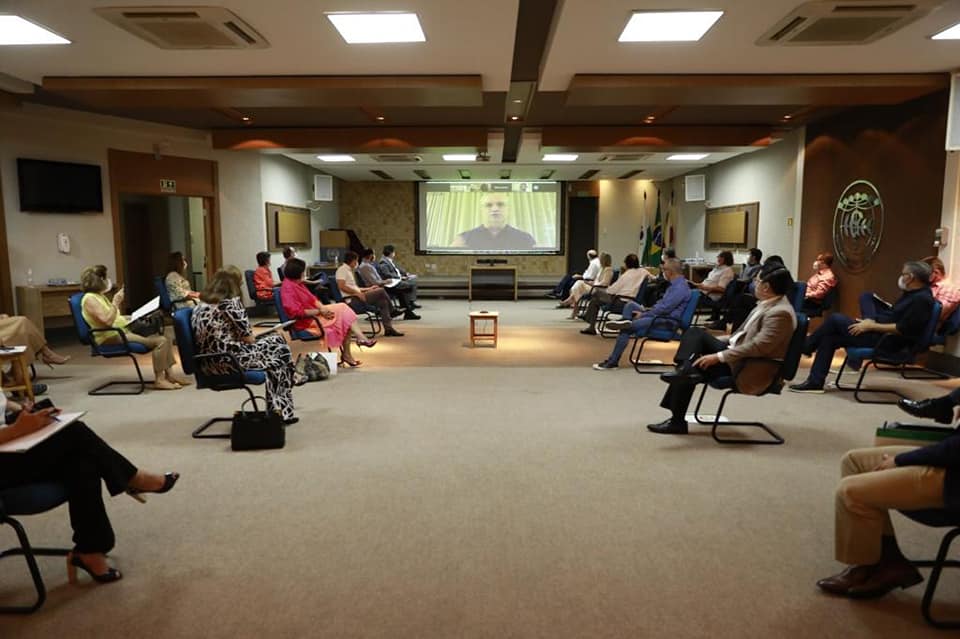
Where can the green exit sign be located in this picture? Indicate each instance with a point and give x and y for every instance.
(168, 186)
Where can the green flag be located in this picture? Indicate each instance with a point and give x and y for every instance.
(654, 239)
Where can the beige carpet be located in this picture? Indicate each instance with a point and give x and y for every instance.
(444, 491)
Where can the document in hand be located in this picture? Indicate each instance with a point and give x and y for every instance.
(277, 327)
(146, 309)
(25, 443)
(391, 282)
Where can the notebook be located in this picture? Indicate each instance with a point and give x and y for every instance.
(25, 443)
(146, 309)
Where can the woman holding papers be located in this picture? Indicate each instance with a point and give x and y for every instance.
(220, 325)
(77, 458)
(100, 312)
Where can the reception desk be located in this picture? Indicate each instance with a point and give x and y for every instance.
(492, 281)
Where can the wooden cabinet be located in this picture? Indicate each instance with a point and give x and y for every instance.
(46, 306)
(495, 280)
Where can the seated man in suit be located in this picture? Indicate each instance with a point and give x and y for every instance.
(903, 323)
(617, 294)
(637, 320)
(390, 270)
(702, 357)
(367, 270)
(876, 480)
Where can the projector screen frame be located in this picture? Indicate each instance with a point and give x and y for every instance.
(561, 222)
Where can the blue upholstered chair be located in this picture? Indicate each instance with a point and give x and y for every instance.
(880, 360)
(371, 313)
(797, 294)
(607, 309)
(123, 349)
(30, 499)
(160, 288)
(663, 329)
(826, 303)
(259, 305)
(787, 369)
(216, 371)
(939, 518)
(584, 300)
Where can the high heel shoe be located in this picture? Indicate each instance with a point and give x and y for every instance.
(353, 364)
(54, 361)
(74, 562)
(169, 480)
(369, 343)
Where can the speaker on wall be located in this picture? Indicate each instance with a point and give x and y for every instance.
(323, 188)
(695, 188)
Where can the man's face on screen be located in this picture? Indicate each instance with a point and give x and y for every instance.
(495, 206)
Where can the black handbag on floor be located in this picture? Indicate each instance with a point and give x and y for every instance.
(257, 430)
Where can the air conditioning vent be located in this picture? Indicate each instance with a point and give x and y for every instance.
(624, 157)
(186, 27)
(829, 23)
(397, 157)
(630, 174)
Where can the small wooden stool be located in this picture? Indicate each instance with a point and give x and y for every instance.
(478, 317)
(18, 356)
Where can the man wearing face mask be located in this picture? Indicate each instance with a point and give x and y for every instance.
(903, 323)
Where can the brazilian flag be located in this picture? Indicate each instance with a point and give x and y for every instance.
(655, 241)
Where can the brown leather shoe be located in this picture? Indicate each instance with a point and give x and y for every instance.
(884, 578)
(841, 582)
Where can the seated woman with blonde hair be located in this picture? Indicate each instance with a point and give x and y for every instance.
(100, 312)
(582, 287)
(338, 320)
(220, 325)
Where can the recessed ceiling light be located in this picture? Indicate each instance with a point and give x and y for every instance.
(459, 157)
(518, 101)
(788, 117)
(560, 157)
(687, 157)
(16, 30)
(514, 118)
(950, 33)
(378, 27)
(380, 118)
(668, 26)
(336, 158)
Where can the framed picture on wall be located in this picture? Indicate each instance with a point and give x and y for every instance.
(732, 227)
(287, 226)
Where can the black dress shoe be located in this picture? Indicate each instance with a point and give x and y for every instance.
(806, 386)
(397, 312)
(291, 421)
(936, 409)
(415, 305)
(683, 377)
(841, 582)
(883, 579)
(668, 427)
(411, 316)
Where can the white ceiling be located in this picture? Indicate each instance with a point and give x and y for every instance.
(585, 41)
(302, 41)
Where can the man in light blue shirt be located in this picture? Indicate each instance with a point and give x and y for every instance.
(636, 321)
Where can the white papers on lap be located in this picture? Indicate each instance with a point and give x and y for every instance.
(25, 443)
(277, 327)
(146, 309)
(12, 350)
(391, 282)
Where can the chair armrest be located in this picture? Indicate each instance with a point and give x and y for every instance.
(119, 331)
(222, 359)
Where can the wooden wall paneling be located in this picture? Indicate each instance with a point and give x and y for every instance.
(6, 283)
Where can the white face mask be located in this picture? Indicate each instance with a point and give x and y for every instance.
(108, 285)
(816, 266)
(902, 282)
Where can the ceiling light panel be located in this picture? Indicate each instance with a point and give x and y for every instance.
(560, 157)
(950, 33)
(15, 30)
(668, 26)
(378, 28)
(336, 158)
(687, 157)
(459, 157)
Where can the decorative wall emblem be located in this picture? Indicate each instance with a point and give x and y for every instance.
(858, 225)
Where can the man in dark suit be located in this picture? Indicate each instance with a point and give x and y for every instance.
(390, 270)
(702, 357)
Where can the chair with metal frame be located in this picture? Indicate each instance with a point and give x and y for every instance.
(216, 371)
(880, 360)
(825, 304)
(938, 518)
(30, 499)
(259, 305)
(948, 328)
(607, 310)
(584, 300)
(371, 313)
(166, 302)
(663, 329)
(391, 292)
(303, 336)
(107, 351)
(721, 306)
(787, 370)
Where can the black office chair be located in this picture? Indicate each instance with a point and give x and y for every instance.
(30, 499)
(939, 518)
(787, 369)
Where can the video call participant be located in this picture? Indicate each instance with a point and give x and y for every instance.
(495, 233)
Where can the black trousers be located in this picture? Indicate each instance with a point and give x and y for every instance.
(377, 299)
(77, 458)
(694, 343)
(599, 299)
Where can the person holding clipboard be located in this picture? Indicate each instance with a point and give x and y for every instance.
(43, 445)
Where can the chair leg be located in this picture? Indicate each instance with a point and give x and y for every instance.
(29, 554)
(200, 431)
(639, 364)
(859, 389)
(938, 565)
(717, 424)
(99, 390)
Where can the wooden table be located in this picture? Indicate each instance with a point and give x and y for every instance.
(17, 356)
(492, 277)
(46, 306)
(479, 333)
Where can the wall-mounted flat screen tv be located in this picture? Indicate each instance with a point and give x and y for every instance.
(59, 187)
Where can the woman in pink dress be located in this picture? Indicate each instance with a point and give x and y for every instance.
(338, 320)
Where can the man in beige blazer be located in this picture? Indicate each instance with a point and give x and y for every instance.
(702, 357)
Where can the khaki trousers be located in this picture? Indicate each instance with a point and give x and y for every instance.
(864, 498)
(159, 346)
